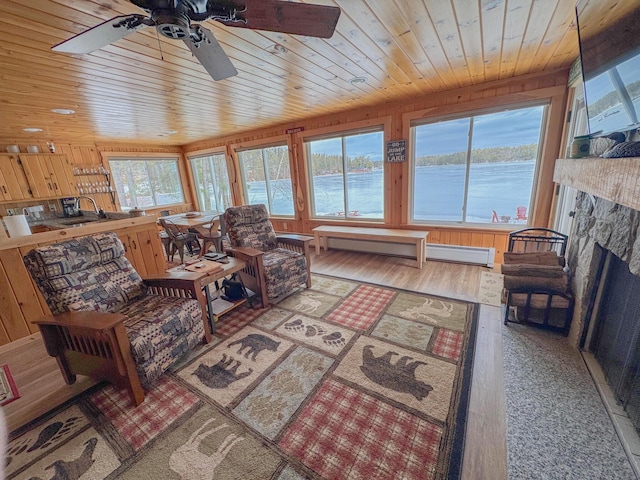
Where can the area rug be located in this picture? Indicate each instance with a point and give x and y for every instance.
(490, 290)
(8, 388)
(346, 380)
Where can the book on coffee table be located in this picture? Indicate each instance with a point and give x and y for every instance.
(204, 266)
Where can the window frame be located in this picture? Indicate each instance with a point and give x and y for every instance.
(198, 154)
(382, 124)
(277, 141)
(546, 103)
(129, 156)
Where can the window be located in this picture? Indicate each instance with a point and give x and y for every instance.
(267, 178)
(212, 182)
(477, 169)
(347, 176)
(149, 182)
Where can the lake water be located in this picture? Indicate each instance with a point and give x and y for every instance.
(438, 193)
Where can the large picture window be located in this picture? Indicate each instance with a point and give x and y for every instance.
(267, 178)
(346, 176)
(477, 169)
(212, 182)
(144, 183)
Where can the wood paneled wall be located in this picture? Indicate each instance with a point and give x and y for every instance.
(396, 117)
(95, 155)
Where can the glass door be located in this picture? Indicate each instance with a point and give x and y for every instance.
(566, 204)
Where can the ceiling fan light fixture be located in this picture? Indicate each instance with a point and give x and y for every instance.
(63, 111)
(357, 80)
(172, 19)
(171, 25)
(32, 130)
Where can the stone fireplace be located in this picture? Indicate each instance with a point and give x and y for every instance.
(604, 256)
(607, 219)
(599, 226)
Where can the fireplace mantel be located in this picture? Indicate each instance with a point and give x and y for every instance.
(614, 179)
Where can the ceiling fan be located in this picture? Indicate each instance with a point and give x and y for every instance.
(172, 19)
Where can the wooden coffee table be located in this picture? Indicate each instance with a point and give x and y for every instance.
(206, 279)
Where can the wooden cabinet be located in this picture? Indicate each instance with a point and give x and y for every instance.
(26, 176)
(61, 174)
(13, 183)
(137, 245)
(4, 189)
(48, 176)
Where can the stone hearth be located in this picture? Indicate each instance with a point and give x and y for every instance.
(615, 228)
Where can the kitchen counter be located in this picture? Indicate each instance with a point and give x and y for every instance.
(86, 217)
(69, 227)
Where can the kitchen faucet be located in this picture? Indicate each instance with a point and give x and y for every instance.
(97, 210)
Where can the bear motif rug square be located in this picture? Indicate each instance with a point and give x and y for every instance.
(345, 380)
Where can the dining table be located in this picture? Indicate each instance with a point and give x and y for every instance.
(184, 221)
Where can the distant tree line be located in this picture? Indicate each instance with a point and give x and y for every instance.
(611, 99)
(326, 164)
(482, 155)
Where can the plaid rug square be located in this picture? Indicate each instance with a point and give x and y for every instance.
(345, 380)
(8, 389)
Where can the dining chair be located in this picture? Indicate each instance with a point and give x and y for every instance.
(179, 239)
(210, 235)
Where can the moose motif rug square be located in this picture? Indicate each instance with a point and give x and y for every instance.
(345, 380)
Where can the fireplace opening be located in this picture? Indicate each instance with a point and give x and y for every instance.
(614, 339)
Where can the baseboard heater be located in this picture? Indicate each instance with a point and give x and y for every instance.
(450, 253)
(459, 253)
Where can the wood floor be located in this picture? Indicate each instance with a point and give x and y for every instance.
(41, 385)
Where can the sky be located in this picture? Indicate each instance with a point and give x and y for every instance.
(507, 128)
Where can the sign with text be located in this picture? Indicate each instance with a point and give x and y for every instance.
(294, 130)
(397, 151)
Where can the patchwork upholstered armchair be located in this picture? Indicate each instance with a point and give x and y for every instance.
(109, 323)
(276, 264)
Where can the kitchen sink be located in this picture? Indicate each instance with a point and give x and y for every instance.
(79, 220)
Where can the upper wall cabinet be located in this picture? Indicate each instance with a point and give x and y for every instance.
(36, 176)
(13, 184)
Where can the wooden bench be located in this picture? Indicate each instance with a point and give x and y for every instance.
(417, 238)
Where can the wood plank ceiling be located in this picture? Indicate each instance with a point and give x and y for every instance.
(140, 88)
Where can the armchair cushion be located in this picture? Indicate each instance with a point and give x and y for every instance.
(86, 273)
(161, 330)
(249, 226)
(284, 271)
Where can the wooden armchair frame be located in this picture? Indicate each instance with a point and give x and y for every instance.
(96, 344)
(253, 275)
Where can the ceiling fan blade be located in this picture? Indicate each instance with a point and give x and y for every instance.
(209, 53)
(103, 34)
(287, 17)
